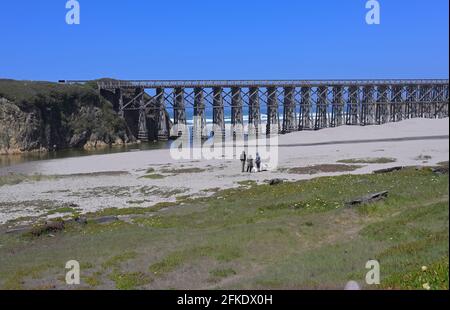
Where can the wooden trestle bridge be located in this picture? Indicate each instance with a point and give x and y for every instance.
(290, 105)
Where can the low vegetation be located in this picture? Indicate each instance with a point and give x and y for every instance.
(182, 170)
(377, 160)
(325, 168)
(154, 176)
(297, 235)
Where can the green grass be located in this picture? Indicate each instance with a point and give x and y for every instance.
(117, 211)
(115, 261)
(19, 220)
(174, 260)
(377, 160)
(93, 281)
(62, 210)
(434, 276)
(130, 280)
(27, 91)
(16, 280)
(411, 224)
(294, 235)
(222, 272)
(13, 179)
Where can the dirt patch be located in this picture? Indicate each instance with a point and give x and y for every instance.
(422, 157)
(327, 168)
(182, 170)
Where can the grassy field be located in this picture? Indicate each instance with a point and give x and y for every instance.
(297, 235)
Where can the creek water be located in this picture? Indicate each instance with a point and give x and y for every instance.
(9, 162)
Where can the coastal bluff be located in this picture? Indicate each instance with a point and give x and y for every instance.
(44, 116)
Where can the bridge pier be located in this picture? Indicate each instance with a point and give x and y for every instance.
(218, 113)
(199, 125)
(254, 114)
(179, 113)
(237, 115)
(424, 101)
(443, 102)
(162, 121)
(396, 104)
(321, 108)
(118, 92)
(430, 102)
(337, 107)
(143, 129)
(367, 106)
(289, 117)
(273, 120)
(305, 117)
(436, 95)
(352, 114)
(382, 101)
(411, 109)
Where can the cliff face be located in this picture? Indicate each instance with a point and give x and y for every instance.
(45, 116)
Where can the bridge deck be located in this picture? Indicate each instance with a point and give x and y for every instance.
(255, 83)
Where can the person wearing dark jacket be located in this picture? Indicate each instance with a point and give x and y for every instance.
(258, 162)
(243, 160)
(250, 164)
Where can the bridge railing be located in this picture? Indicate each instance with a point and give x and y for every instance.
(255, 83)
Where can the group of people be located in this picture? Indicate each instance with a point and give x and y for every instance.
(250, 162)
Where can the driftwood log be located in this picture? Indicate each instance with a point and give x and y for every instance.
(440, 170)
(48, 227)
(388, 170)
(275, 182)
(368, 199)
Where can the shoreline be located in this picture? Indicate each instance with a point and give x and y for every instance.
(150, 177)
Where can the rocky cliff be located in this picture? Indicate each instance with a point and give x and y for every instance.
(40, 116)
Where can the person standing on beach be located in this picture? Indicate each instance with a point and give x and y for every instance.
(250, 164)
(258, 162)
(243, 159)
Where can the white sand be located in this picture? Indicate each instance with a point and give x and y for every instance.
(334, 144)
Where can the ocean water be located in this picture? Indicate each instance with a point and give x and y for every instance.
(227, 114)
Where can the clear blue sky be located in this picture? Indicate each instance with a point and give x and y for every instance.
(228, 39)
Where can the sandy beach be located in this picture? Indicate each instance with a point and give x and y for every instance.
(145, 178)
